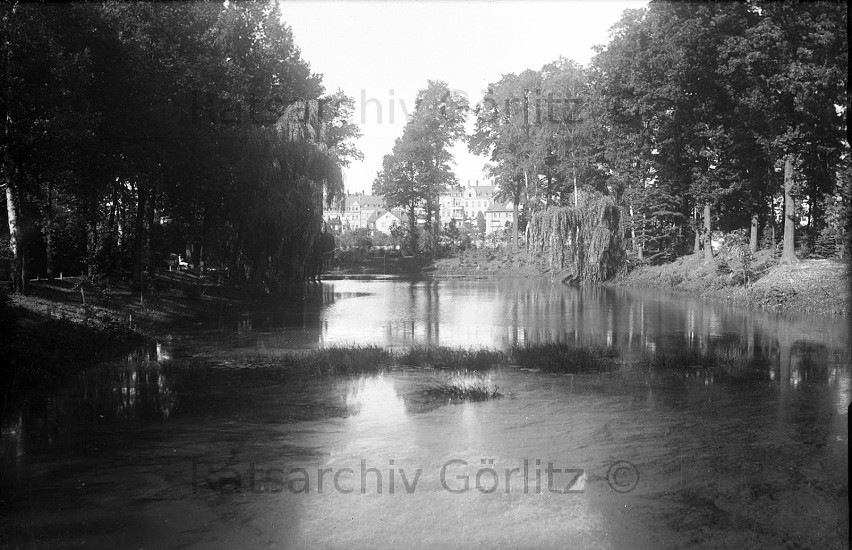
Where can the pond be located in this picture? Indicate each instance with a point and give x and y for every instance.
(186, 444)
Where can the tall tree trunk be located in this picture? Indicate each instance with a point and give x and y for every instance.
(515, 243)
(139, 239)
(697, 245)
(150, 216)
(708, 235)
(91, 233)
(574, 171)
(634, 243)
(752, 239)
(19, 283)
(437, 227)
(788, 255)
(112, 233)
(48, 231)
(412, 227)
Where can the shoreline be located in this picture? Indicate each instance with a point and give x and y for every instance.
(814, 287)
(68, 323)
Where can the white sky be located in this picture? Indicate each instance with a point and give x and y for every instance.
(382, 53)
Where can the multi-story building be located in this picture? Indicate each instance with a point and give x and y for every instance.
(354, 211)
(362, 211)
(498, 216)
(465, 205)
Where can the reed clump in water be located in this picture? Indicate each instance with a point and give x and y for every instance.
(463, 386)
(565, 358)
(452, 358)
(342, 360)
(550, 357)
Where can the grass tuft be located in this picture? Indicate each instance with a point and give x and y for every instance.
(450, 358)
(370, 359)
(463, 386)
(341, 361)
(560, 357)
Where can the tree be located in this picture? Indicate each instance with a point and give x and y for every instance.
(792, 62)
(503, 132)
(419, 168)
(436, 124)
(134, 128)
(399, 183)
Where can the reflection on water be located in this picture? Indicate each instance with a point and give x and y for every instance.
(117, 440)
(374, 400)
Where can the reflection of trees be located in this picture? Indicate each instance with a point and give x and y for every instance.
(136, 390)
(300, 310)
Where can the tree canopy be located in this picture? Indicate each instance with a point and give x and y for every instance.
(133, 130)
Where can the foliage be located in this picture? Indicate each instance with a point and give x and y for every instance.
(419, 167)
(358, 238)
(583, 242)
(736, 258)
(141, 130)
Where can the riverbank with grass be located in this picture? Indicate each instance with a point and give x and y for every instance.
(812, 286)
(487, 263)
(70, 323)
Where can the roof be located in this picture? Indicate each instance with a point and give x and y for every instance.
(482, 190)
(498, 207)
(396, 213)
(368, 201)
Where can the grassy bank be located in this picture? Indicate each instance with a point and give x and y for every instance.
(486, 262)
(809, 286)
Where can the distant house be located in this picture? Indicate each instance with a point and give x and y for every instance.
(497, 216)
(464, 205)
(390, 218)
(371, 220)
(477, 198)
(354, 211)
(451, 207)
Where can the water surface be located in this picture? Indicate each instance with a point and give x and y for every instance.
(182, 445)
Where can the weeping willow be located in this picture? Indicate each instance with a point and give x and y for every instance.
(582, 243)
(282, 174)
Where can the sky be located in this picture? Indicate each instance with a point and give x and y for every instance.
(382, 53)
